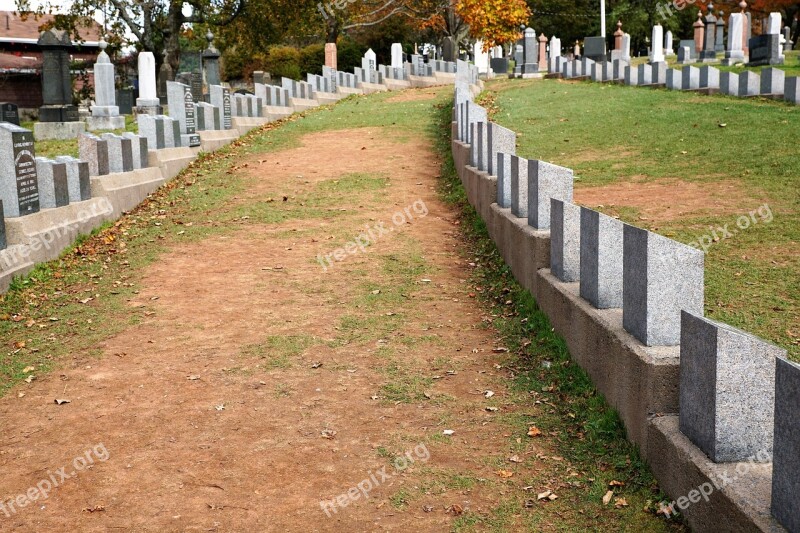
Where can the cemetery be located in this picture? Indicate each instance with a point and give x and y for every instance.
(587, 316)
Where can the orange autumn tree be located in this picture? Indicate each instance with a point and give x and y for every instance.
(495, 22)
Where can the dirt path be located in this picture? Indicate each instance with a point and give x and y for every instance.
(263, 384)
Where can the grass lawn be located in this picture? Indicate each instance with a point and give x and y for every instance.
(731, 156)
(55, 147)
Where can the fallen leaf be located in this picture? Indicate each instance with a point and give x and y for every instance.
(607, 497)
(455, 509)
(515, 459)
(619, 503)
(328, 434)
(616, 483)
(28, 369)
(488, 394)
(544, 495)
(448, 432)
(505, 474)
(534, 431)
(62, 402)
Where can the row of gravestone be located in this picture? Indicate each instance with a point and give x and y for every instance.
(29, 183)
(772, 82)
(738, 393)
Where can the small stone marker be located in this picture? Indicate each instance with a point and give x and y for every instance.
(792, 90)
(631, 75)
(709, 77)
(152, 128)
(773, 81)
(565, 240)
(53, 187)
(120, 153)
(691, 78)
(675, 79)
(729, 83)
(601, 259)
(500, 139)
(9, 113)
(727, 390)
(546, 181)
(138, 150)
(78, 182)
(749, 84)
(94, 150)
(661, 278)
(786, 445)
(19, 186)
(519, 187)
(504, 180)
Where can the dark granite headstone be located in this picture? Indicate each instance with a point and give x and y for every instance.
(125, 101)
(499, 65)
(25, 172)
(226, 108)
(60, 184)
(56, 78)
(765, 50)
(595, 48)
(9, 113)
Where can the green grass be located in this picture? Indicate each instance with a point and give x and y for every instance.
(610, 133)
(281, 350)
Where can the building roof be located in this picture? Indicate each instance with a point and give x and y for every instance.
(15, 30)
(15, 62)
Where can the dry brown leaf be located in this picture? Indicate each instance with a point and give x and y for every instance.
(505, 473)
(619, 503)
(533, 431)
(607, 497)
(544, 495)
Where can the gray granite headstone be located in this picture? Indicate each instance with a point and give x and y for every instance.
(773, 81)
(691, 78)
(601, 259)
(475, 114)
(546, 181)
(594, 48)
(786, 445)
(152, 128)
(791, 91)
(631, 75)
(709, 77)
(565, 240)
(504, 180)
(53, 187)
(727, 387)
(120, 153)
(619, 67)
(749, 84)
(729, 83)
(645, 74)
(500, 139)
(675, 79)
(519, 186)
(94, 151)
(56, 46)
(138, 150)
(78, 182)
(661, 278)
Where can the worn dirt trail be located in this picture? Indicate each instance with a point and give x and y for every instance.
(263, 385)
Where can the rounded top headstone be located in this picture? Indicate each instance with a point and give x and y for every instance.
(529, 31)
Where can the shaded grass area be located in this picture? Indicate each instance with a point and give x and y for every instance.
(63, 309)
(53, 148)
(561, 401)
(609, 133)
